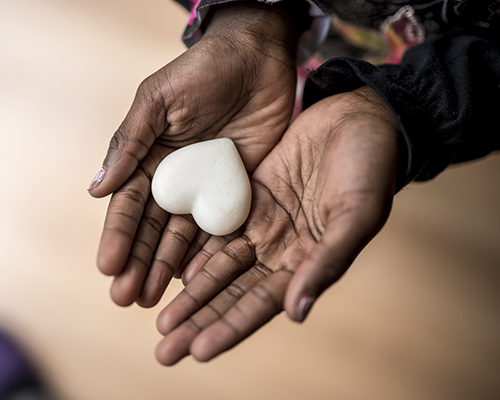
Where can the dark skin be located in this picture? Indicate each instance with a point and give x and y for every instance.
(318, 198)
(217, 88)
(320, 194)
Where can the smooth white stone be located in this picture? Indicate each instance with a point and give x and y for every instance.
(209, 181)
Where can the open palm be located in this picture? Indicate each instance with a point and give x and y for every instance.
(234, 85)
(318, 198)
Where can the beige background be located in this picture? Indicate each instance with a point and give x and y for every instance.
(416, 317)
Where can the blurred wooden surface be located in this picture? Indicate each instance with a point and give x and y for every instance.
(416, 317)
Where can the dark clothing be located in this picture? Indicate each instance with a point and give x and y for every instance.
(445, 94)
(444, 91)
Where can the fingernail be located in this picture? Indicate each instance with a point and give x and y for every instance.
(305, 305)
(97, 179)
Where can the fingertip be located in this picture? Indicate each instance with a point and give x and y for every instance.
(123, 292)
(201, 349)
(152, 291)
(174, 314)
(304, 307)
(213, 341)
(98, 193)
(105, 265)
(175, 346)
(112, 175)
(311, 278)
(164, 358)
(96, 181)
(147, 302)
(110, 258)
(107, 180)
(148, 298)
(164, 322)
(161, 357)
(298, 304)
(169, 353)
(154, 287)
(194, 266)
(121, 301)
(293, 294)
(187, 275)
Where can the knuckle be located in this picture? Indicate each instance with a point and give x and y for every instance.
(149, 91)
(233, 256)
(145, 86)
(143, 247)
(265, 295)
(178, 237)
(117, 139)
(235, 291)
(153, 224)
(195, 299)
(218, 313)
(261, 270)
(165, 264)
(138, 262)
(133, 195)
(209, 276)
(194, 325)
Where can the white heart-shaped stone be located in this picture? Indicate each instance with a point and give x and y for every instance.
(209, 181)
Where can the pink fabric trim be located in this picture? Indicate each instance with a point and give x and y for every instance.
(302, 73)
(194, 6)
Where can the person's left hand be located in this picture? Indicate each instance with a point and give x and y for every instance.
(318, 198)
(237, 82)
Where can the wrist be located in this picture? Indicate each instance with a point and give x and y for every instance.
(265, 27)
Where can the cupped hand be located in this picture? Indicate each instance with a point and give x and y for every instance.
(237, 82)
(318, 198)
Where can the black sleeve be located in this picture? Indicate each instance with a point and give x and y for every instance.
(185, 4)
(445, 95)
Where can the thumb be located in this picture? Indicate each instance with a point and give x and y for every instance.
(343, 239)
(145, 121)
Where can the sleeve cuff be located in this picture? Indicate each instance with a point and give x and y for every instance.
(445, 95)
(309, 41)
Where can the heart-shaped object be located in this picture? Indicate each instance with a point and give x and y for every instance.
(209, 181)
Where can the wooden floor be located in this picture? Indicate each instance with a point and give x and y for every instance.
(416, 317)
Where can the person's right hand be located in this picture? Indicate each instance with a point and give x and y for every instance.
(318, 198)
(237, 82)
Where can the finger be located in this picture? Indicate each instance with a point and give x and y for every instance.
(122, 219)
(175, 241)
(124, 214)
(345, 236)
(127, 285)
(199, 241)
(223, 268)
(354, 192)
(144, 123)
(212, 246)
(256, 308)
(176, 344)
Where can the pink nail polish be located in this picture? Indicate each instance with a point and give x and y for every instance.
(97, 179)
(305, 305)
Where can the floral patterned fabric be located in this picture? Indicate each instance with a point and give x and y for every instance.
(377, 30)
